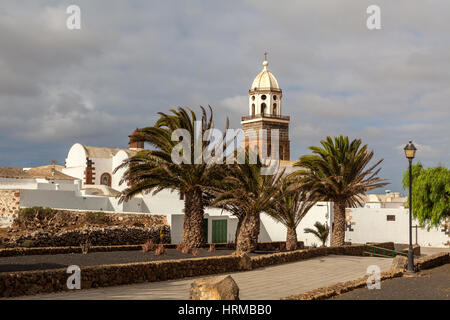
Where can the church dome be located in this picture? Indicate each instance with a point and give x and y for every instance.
(265, 80)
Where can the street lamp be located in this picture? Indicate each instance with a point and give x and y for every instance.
(410, 152)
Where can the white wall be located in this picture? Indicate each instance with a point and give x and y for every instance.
(7, 183)
(371, 225)
(76, 162)
(101, 166)
(61, 199)
(117, 160)
(272, 230)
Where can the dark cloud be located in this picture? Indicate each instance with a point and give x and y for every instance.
(134, 58)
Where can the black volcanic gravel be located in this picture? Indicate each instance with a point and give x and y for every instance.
(42, 262)
(432, 284)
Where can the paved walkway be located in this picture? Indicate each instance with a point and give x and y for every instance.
(426, 251)
(262, 284)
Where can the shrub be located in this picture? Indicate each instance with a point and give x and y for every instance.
(160, 249)
(27, 213)
(186, 249)
(27, 243)
(96, 217)
(148, 246)
(85, 246)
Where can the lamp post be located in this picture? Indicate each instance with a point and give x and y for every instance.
(410, 151)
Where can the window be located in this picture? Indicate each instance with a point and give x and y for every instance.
(105, 179)
(253, 109)
(253, 98)
(274, 97)
(263, 108)
(390, 217)
(263, 97)
(274, 109)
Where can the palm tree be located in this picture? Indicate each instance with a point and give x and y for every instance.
(242, 190)
(321, 232)
(293, 203)
(337, 172)
(154, 170)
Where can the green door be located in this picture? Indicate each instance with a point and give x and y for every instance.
(219, 231)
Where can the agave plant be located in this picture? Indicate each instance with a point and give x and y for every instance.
(153, 170)
(337, 172)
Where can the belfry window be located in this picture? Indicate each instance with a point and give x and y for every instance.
(263, 97)
(253, 109)
(274, 109)
(263, 108)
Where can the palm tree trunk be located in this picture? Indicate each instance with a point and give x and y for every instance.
(338, 235)
(291, 239)
(247, 237)
(238, 229)
(194, 235)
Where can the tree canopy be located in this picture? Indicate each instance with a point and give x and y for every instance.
(430, 194)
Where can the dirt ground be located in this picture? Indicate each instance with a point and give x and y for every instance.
(42, 262)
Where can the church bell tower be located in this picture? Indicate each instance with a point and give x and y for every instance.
(264, 112)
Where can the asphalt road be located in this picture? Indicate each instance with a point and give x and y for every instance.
(432, 284)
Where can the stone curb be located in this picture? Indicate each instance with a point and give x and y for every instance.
(341, 287)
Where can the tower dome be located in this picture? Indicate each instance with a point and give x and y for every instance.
(265, 79)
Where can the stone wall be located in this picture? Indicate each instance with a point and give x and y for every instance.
(432, 261)
(9, 206)
(105, 236)
(45, 227)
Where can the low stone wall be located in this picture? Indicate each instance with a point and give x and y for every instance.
(10, 252)
(432, 261)
(99, 236)
(262, 246)
(292, 256)
(341, 287)
(416, 250)
(33, 282)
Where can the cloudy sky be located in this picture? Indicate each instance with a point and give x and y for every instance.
(132, 59)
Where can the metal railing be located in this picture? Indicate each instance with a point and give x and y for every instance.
(270, 116)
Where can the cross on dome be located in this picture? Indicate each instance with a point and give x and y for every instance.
(265, 79)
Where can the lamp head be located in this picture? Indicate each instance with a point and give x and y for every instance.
(410, 151)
